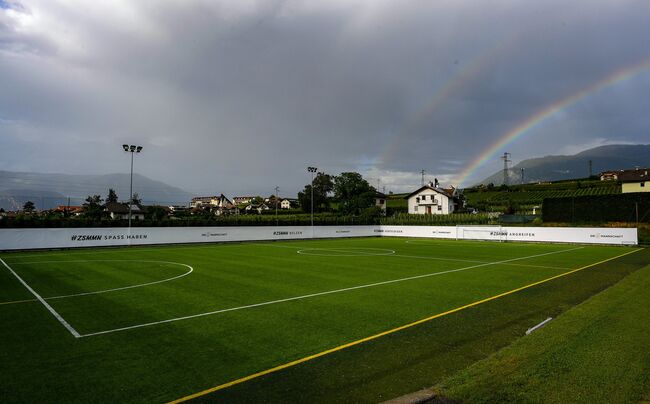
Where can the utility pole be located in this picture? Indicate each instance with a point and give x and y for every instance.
(506, 160)
(422, 181)
(522, 175)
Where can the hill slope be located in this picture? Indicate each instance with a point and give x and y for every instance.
(554, 168)
(49, 190)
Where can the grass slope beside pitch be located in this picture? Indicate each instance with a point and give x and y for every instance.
(596, 352)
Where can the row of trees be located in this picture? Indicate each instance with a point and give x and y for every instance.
(352, 194)
(346, 194)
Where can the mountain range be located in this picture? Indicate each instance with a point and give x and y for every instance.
(554, 168)
(50, 190)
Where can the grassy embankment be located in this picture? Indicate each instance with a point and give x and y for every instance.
(596, 352)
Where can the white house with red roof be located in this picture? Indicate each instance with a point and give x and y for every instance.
(431, 200)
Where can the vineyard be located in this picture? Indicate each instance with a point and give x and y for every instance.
(525, 197)
(522, 198)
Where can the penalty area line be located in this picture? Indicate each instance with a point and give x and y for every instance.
(43, 302)
(384, 333)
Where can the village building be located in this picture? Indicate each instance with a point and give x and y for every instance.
(431, 200)
(380, 202)
(120, 211)
(636, 180)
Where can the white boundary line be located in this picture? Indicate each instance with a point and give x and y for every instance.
(413, 256)
(40, 299)
(352, 252)
(473, 242)
(462, 260)
(317, 294)
(128, 287)
(114, 289)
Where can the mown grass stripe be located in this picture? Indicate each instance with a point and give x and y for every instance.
(44, 303)
(391, 331)
(328, 292)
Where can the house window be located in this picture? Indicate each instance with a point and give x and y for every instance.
(416, 209)
(439, 207)
(643, 184)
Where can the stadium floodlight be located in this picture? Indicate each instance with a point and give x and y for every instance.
(312, 170)
(131, 149)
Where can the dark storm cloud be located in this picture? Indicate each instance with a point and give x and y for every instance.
(238, 97)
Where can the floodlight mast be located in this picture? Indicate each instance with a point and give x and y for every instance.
(277, 192)
(131, 149)
(312, 170)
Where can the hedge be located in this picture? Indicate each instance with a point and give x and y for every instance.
(598, 209)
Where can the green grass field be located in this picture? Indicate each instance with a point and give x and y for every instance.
(596, 352)
(161, 323)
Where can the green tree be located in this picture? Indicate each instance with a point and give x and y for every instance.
(112, 196)
(29, 207)
(323, 186)
(156, 212)
(136, 199)
(353, 193)
(93, 207)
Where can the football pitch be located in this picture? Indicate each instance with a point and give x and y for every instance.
(167, 322)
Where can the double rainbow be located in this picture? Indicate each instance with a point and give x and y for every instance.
(537, 118)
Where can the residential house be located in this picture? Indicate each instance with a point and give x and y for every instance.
(240, 200)
(431, 200)
(120, 210)
(609, 175)
(288, 203)
(177, 208)
(380, 201)
(69, 210)
(636, 180)
(219, 205)
(259, 208)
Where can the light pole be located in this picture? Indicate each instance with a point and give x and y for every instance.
(312, 170)
(131, 149)
(277, 190)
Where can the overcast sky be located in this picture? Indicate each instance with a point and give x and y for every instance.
(239, 96)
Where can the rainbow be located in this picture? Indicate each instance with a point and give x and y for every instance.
(454, 84)
(537, 118)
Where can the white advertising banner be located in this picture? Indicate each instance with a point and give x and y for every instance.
(25, 239)
(581, 235)
(21, 239)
